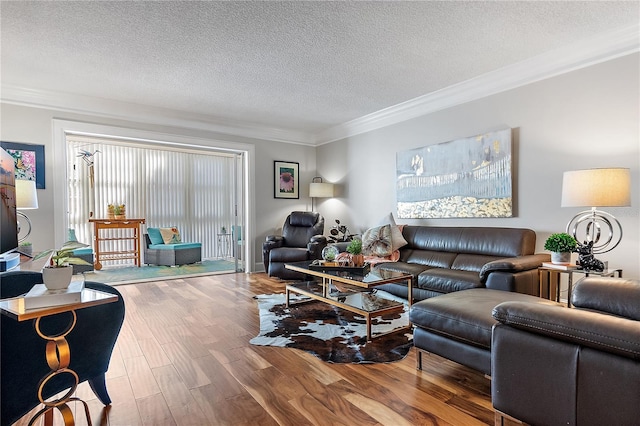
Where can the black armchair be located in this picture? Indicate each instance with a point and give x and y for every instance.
(301, 239)
(22, 360)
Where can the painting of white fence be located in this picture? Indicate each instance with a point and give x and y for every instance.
(468, 177)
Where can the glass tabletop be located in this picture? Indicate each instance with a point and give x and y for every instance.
(368, 301)
(374, 276)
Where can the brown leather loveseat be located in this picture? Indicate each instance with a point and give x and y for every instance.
(578, 366)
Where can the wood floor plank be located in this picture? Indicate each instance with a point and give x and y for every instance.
(154, 411)
(172, 386)
(187, 368)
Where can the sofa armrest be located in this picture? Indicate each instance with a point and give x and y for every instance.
(274, 239)
(316, 244)
(615, 296)
(603, 332)
(514, 264)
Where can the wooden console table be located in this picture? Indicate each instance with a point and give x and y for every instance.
(133, 237)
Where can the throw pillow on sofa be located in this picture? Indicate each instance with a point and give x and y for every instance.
(377, 241)
(170, 235)
(397, 240)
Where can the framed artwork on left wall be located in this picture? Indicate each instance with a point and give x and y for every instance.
(286, 179)
(29, 161)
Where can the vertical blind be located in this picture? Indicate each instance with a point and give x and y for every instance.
(193, 190)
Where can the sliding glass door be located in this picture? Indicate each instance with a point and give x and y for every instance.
(197, 190)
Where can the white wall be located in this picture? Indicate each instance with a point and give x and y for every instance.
(583, 119)
(35, 126)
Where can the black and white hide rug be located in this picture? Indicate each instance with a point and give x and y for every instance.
(330, 333)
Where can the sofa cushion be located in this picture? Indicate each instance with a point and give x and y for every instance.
(155, 236)
(288, 254)
(170, 235)
(471, 262)
(435, 259)
(178, 246)
(407, 268)
(305, 219)
(448, 280)
(502, 242)
(465, 316)
(377, 241)
(81, 251)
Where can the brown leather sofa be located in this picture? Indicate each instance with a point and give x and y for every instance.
(301, 239)
(577, 366)
(447, 259)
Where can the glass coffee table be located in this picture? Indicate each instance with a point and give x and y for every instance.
(350, 291)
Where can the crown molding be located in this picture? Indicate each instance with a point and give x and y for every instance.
(601, 48)
(117, 110)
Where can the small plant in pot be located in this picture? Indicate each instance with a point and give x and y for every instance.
(561, 245)
(355, 249)
(26, 248)
(57, 274)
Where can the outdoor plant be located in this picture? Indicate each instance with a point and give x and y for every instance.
(64, 255)
(339, 233)
(561, 243)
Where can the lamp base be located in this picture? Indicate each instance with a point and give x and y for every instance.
(587, 228)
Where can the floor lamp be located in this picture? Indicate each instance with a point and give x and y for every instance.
(596, 188)
(26, 199)
(319, 189)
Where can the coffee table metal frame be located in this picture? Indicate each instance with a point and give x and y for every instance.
(321, 291)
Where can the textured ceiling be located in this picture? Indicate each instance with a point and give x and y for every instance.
(303, 66)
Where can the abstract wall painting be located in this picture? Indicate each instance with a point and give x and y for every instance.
(286, 179)
(463, 178)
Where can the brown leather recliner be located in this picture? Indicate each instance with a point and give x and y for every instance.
(301, 240)
(570, 366)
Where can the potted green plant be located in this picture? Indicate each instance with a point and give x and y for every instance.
(119, 211)
(26, 248)
(561, 245)
(57, 274)
(355, 249)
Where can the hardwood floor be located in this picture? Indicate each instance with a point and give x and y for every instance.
(183, 358)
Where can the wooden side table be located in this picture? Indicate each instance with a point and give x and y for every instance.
(57, 352)
(554, 279)
(133, 237)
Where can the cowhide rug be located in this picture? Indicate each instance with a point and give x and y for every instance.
(330, 333)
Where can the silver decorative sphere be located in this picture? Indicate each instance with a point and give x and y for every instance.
(329, 253)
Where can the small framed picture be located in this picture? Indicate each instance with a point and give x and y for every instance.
(286, 177)
(29, 161)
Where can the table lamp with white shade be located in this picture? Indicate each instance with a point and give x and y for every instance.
(596, 188)
(26, 199)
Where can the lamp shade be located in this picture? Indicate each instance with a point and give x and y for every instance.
(320, 190)
(596, 188)
(26, 195)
